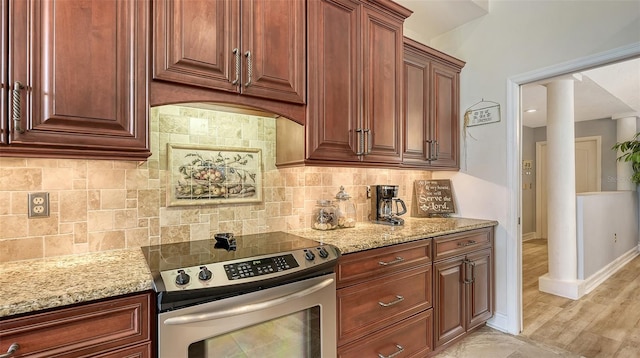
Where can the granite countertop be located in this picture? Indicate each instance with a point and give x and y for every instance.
(367, 235)
(34, 285)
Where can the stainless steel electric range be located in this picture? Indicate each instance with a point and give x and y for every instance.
(262, 295)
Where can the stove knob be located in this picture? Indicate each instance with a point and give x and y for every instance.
(204, 274)
(323, 252)
(182, 278)
(309, 255)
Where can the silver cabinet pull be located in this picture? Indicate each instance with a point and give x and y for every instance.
(398, 259)
(394, 302)
(249, 68)
(236, 52)
(467, 263)
(369, 142)
(12, 349)
(437, 150)
(15, 106)
(360, 142)
(470, 242)
(428, 141)
(400, 350)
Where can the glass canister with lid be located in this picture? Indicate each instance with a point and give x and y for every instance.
(325, 215)
(346, 209)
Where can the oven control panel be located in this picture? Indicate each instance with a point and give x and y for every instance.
(252, 269)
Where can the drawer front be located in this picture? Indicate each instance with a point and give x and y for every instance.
(378, 303)
(461, 243)
(412, 337)
(82, 330)
(373, 263)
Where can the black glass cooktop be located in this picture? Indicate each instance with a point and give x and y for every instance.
(184, 254)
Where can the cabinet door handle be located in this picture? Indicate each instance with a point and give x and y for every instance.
(397, 260)
(236, 53)
(360, 142)
(400, 350)
(16, 107)
(437, 150)
(369, 142)
(467, 243)
(12, 349)
(249, 68)
(394, 302)
(468, 263)
(428, 141)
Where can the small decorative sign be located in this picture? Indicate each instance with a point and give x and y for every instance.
(433, 198)
(489, 112)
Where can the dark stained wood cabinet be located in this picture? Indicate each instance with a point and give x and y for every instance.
(253, 47)
(384, 301)
(118, 327)
(4, 84)
(355, 67)
(79, 72)
(431, 100)
(463, 283)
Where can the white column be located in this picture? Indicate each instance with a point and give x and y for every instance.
(626, 128)
(561, 279)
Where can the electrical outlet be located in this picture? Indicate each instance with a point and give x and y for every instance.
(38, 205)
(368, 192)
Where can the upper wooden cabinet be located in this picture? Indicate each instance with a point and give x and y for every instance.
(4, 84)
(77, 78)
(355, 77)
(431, 101)
(253, 47)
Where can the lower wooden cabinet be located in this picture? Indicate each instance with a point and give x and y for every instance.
(119, 327)
(463, 284)
(409, 338)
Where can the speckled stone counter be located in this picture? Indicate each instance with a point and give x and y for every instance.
(368, 235)
(28, 286)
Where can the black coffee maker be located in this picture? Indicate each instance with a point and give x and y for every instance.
(385, 205)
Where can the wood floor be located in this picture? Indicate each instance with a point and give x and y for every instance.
(604, 323)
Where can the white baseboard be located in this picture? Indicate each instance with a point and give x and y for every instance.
(500, 322)
(529, 236)
(604, 273)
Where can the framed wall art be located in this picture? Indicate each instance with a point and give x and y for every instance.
(202, 175)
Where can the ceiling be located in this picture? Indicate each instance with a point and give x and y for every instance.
(602, 92)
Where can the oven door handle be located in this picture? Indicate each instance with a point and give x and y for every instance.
(252, 307)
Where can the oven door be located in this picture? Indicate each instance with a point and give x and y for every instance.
(293, 320)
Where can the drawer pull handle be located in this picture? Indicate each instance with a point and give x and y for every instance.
(397, 260)
(400, 350)
(394, 302)
(12, 349)
(470, 242)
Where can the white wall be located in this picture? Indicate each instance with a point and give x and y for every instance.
(516, 38)
(607, 229)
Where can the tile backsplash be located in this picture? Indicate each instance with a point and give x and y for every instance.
(98, 205)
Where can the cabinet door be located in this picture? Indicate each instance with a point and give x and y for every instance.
(382, 91)
(194, 40)
(83, 65)
(3, 72)
(273, 49)
(334, 80)
(449, 302)
(479, 292)
(415, 148)
(444, 130)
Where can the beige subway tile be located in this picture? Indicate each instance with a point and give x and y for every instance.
(137, 237)
(57, 179)
(13, 162)
(226, 214)
(106, 240)
(170, 234)
(312, 179)
(242, 212)
(58, 245)
(125, 219)
(272, 209)
(13, 226)
(73, 205)
(43, 226)
(231, 226)
(79, 184)
(99, 221)
(6, 203)
(66, 228)
(21, 249)
(80, 232)
(131, 203)
(42, 163)
(20, 179)
(99, 165)
(93, 200)
(278, 194)
(148, 203)
(137, 179)
(106, 179)
(199, 232)
(189, 216)
(154, 226)
(170, 216)
(19, 203)
(143, 223)
(286, 208)
(113, 198)
(250, 226)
